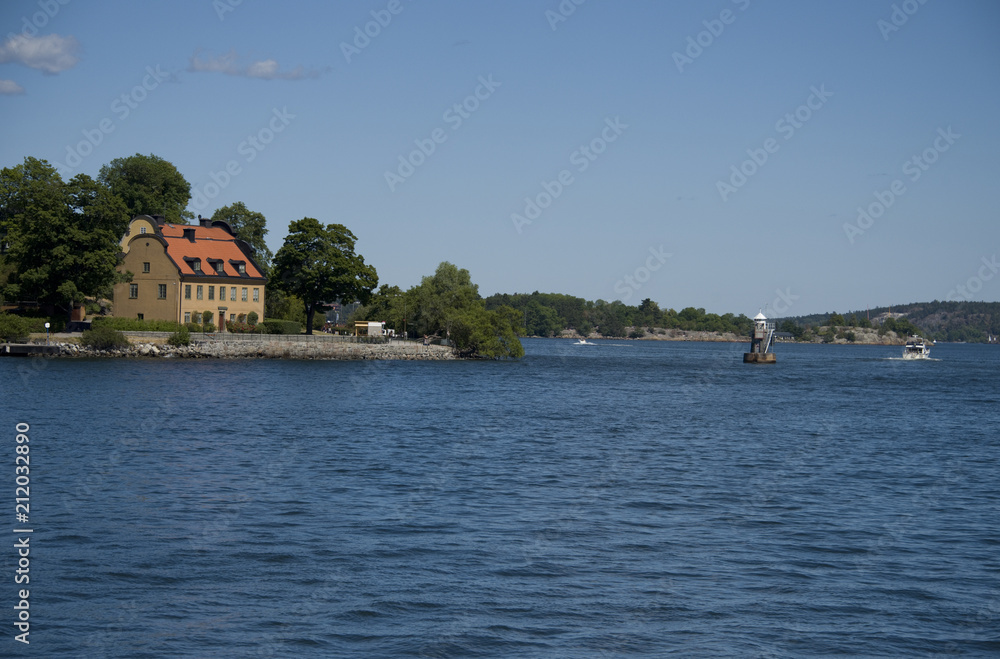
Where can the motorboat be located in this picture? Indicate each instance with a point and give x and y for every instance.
(916, 348)
(584, 342)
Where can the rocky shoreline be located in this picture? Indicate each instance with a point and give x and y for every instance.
(268, 350)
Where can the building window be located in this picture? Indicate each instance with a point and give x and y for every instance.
(211, 292)
(145, 266)
(162, 292)
(197, 318)
(198, 291)
(232, 293)
(232, 316)
(243, 268)
(139, 316)
(133, 291)
(244, 297)
(142, 229)
(196, 266)
(187, 291)
(187, 316)
(256, 295)
(219, 267)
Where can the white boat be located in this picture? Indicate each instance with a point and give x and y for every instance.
(915, 348)
(584, 342)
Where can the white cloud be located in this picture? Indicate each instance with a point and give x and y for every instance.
(264, 69)
(51, 53)
(9, 87)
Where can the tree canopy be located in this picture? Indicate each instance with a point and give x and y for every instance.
(447, 304)
(318, 264)
(149, 185)
(250, 227)
(62, 237)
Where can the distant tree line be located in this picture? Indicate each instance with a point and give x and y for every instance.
(548, 314)
(972, 322)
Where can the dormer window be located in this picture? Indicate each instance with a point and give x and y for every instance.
(196, 266)
(142, 229)
(243, 268)
(219, 267)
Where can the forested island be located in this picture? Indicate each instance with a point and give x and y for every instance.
(60, 253)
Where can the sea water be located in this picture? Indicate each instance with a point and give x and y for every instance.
(630, 498)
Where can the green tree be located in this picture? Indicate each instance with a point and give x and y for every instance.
(318, 264)
(250, 227)
(448, 303)
(440, 296)
(149, 185)
(835, 320)
(62, 237)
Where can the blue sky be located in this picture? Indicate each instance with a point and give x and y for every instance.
(710, 154)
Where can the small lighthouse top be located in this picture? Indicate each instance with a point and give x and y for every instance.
(760, 316)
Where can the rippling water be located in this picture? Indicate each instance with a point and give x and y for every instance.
(626, 499)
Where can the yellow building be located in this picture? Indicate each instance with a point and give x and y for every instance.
(180, 271)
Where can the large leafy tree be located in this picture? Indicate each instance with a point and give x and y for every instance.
(318, 265)
(62, 237)
(448, 304)
(149, 185)
(249, 226)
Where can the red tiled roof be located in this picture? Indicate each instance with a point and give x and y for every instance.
(209, 243)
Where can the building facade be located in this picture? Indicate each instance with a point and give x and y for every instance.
(181, 271)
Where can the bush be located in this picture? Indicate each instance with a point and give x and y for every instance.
(206, 317)
(851, 337)
(252, 317)
(103, 337)
(208, 327)
(192, 327)
(241, 318)
(281, 327)
(240, 328)
(14, 329)
(136, 325)
(181, 337)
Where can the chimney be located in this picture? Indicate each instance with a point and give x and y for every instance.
(205, 221)
(189, 233)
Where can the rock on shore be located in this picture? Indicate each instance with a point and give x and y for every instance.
(270, 350)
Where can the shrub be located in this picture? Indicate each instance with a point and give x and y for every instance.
(252, 317)
(240, 328)
(208, 327)
(136, 325)
(192, 327)
(14, 329)
(851, 337)
(281, 327)
(206, 317)
(636, 334)
(181, 337)
(241, 318)
(103, 337)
